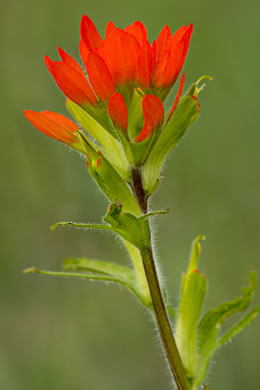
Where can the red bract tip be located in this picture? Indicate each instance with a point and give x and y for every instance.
(84, 52)
(162, 41)
(89, 33)
(70, 61)
(71, 82)
(54, 125)
(100, 76)
(138, 30)
(110, 27)
(118, 111)
(153, 116)
(145, 65)
(172, 43)
(176, 101)
(120, 52)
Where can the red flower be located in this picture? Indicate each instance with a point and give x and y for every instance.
(54, 125)
(115, 66)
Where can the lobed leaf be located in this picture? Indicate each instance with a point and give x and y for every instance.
(210, 325)
(96, 270)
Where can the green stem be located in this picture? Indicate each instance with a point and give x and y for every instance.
(161, 316)
(163, 322)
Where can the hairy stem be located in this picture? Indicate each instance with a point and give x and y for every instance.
(160, 312)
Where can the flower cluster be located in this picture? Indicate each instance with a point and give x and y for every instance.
(117, 66)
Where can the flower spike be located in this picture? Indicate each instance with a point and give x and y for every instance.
(118, 96)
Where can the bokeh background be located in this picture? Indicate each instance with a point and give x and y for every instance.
(64, 334)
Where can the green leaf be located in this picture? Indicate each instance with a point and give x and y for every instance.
(155, 212)
(186, 113)
(193, 292)
(210, 325)
(131, 228)
(189, 312)
(114, 151)
(239, 326)
(80, 225)
(140, 272)
(97, 270)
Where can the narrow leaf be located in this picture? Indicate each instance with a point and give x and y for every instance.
(99, 266)
(80, 225)
(113, 278)
(156, 212)
(239, 326)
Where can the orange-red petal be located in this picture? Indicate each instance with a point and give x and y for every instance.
(138, 30)
(70, 61)
(52, 124)
(176, 101)
(84, 52)
(153, 116)
(110, 27)
(71, 82)
(171, 45)
(161, 69)
(178, 57)
(120, 52)
(169, 68)
(145, 65)
(89, 33)
(162, 42)
(100, 76)
(118, 111)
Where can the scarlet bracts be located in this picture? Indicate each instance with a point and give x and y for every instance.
(117, 66)
(56, 126)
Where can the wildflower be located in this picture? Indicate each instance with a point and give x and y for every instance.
(115, 67)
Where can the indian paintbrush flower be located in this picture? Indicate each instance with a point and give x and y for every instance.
(123, 86)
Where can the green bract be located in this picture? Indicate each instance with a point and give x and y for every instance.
(112, 148)
(185, 114)
(199, 338)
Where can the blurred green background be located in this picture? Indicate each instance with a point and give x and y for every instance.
(63, 334)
